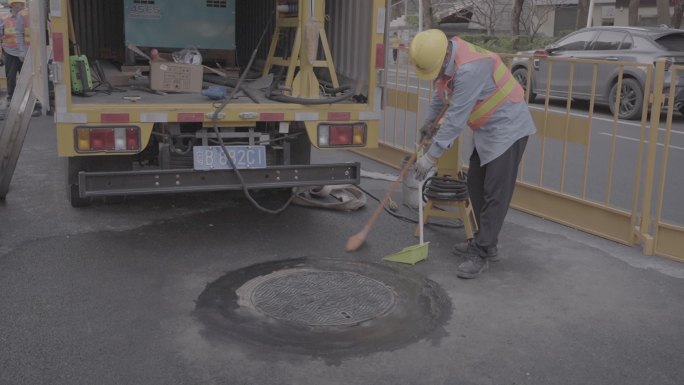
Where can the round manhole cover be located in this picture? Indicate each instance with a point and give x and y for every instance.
(321, 298)
(330, 307)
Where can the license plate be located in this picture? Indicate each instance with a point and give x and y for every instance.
(213, 157)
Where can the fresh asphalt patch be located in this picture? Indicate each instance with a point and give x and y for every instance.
(328, 308)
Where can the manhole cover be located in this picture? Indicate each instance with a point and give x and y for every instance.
(321, 298)
(331, 307)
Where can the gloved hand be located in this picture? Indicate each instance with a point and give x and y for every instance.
(423, 166)
(426, 130)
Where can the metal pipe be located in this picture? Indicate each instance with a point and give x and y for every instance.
(590, 15)
(613, 141)
(646, 206)
(420, 15)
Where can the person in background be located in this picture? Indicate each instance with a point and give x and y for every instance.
(483, 95)
(395, 43)
(15, 41)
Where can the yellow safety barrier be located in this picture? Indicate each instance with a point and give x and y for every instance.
(668, 231)
(565, 175)
(584, 168)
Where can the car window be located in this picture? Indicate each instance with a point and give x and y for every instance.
(608, 40)
(628, 43)
(576, 42)
(672, 42)
(643, 43)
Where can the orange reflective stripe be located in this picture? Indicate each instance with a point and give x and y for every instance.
(9, 37)
(489, 105)
(507, 87)
(497, 98)
(477, 49)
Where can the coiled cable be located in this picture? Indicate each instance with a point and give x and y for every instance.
(446, 188)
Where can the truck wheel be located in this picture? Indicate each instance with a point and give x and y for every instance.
(75, 200)
(100, 163)
(73, 167)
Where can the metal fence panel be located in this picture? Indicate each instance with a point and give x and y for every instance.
(585, 169)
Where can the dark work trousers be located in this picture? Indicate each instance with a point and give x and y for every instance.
(491, 189)
(12, 68)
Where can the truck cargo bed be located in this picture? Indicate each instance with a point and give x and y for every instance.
(138, 95)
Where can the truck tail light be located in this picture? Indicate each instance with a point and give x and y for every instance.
(107, 139)
(342, 135)
(132, 138)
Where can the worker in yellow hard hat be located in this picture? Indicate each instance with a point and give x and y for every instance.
(14, 27)
(482, 95)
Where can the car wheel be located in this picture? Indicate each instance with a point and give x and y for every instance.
(520, 74)
(681, 109)
(631, 99)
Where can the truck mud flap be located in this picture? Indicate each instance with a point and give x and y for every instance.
(92, 184)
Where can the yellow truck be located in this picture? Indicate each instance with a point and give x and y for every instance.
(174, 96)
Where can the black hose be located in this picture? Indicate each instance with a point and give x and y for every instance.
(214, 120)
(407, 219)
(305, 101)
(446, 188)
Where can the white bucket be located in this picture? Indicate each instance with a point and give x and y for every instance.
(409, 187)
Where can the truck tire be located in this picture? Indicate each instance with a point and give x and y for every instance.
(74, 165)
(74, 198)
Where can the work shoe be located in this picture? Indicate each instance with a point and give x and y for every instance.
(473, 266)
(491, 253)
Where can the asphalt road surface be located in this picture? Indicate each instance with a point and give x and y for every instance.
(153, 290)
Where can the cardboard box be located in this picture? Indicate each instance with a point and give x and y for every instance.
(175, 77)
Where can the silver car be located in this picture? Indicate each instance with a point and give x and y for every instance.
(624, 44)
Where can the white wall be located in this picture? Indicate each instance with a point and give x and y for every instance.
(620, 15)
(548, 27)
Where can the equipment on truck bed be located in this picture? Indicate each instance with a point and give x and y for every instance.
(307, 20)
(249, 132)
(81, 79)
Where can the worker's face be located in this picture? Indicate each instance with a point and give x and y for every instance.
(16, 7)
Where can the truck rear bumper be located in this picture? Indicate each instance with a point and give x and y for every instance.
(92, 184)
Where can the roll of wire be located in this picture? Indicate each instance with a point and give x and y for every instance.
(446, 188)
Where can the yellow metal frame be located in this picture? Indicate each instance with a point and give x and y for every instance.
(642, 224)
(297, 60)
(231, 114)
(668, 239)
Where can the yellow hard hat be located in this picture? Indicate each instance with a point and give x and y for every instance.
(17, 1)
(427, 53)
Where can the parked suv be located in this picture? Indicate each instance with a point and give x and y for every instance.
(620, 44)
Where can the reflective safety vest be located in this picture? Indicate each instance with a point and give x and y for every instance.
(9, 33)
(507, 88)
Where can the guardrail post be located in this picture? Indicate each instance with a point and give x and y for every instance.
(643, 231)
